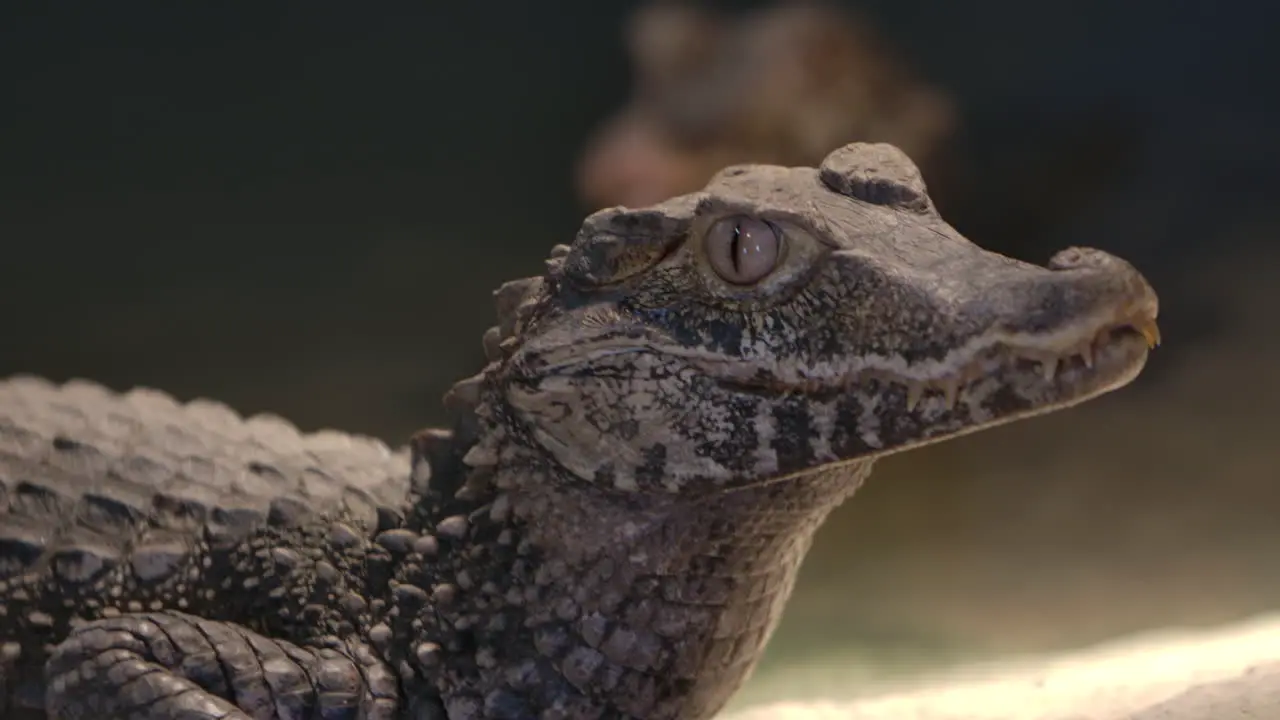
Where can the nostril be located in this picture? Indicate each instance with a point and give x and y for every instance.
(1081, 258)
(1112, 277)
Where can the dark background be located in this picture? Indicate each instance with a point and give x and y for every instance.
(303, 207)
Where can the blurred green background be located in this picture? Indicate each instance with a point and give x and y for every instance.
(303, 207)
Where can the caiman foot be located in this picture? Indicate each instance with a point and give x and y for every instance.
(156, 666)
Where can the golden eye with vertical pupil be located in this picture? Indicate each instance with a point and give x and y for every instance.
(742, 250)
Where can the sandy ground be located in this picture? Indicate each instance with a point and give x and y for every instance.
(1228, 673)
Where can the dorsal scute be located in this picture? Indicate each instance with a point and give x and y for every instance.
(510, 298)
(430, 450)
(514, 301)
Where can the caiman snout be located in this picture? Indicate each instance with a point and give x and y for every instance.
(1116, 281)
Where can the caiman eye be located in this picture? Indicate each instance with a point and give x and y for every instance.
(742, 250)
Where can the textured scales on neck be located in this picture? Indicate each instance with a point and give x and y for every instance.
(673, 409)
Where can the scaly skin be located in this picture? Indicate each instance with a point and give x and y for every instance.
(615, 523)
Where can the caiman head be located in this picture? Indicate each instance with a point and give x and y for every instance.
(785, 319)
(673, 409)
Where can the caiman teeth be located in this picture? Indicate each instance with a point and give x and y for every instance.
(1049, 368)
(950, 390)
(1050, 362)
(1085, 351)
(1149, 330)
(948, 386)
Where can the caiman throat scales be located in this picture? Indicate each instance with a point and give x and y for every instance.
(614, 525)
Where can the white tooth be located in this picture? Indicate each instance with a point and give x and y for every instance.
(950, 389)
(915, 391)
(1086, 353)
(1150, 331)
(1049, 368)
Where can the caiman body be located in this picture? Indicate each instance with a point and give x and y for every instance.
(613, 525)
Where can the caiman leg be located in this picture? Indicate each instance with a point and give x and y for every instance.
(156, 666)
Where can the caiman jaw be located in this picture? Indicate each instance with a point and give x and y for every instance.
(1051, 356)
(1051, 352)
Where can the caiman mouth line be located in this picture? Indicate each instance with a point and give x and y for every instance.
(1049, 353)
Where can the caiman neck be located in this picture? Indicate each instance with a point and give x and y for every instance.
(571, 590)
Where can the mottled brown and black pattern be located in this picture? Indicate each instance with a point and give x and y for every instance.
(614, 524)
